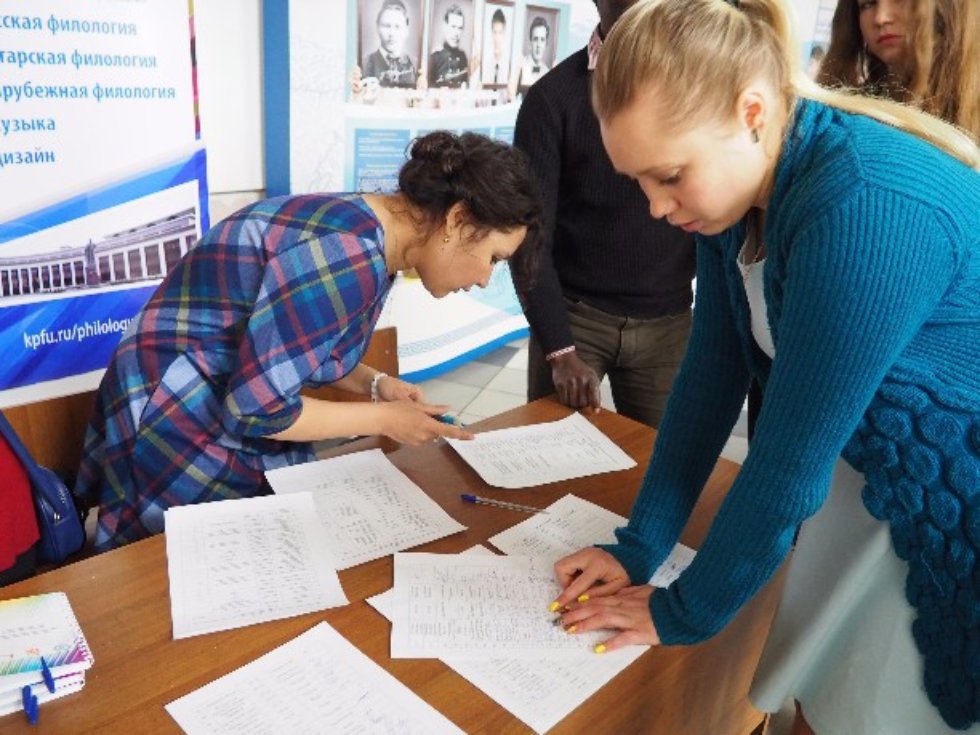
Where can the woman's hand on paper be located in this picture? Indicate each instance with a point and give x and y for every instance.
(410, 422)
(598, 595)
(627, 612)
(589, 572)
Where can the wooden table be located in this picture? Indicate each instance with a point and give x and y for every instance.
(122, 601)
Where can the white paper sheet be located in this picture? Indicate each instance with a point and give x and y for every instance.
(526, 456)
(383, 602)
(368, 508)
(526, 688)
(472, 606)
(572, 523)
(316, 683)
(238, 562)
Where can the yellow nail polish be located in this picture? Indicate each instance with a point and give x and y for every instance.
(571, 628)
(553, 606)
(601, 648)
(583, 598)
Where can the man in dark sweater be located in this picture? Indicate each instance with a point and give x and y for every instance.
(613, 290)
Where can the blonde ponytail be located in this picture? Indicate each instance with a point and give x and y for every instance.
(955, 141)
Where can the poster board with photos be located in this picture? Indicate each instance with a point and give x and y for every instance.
(349, 87)
(334, 124)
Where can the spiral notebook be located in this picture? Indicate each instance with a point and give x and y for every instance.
(32, 628)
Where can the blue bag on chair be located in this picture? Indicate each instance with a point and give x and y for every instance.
(58, 519)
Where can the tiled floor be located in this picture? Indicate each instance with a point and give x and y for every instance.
(498, 382)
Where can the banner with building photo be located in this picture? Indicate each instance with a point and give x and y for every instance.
(102, 177)
(352, 83)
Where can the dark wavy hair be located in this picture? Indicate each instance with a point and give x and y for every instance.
(491, 179)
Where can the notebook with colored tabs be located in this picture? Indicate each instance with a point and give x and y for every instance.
(36, 627)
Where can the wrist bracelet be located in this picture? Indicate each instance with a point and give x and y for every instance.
(558, 353)
(374, 385)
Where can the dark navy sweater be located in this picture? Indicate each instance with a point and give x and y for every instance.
(601, 244)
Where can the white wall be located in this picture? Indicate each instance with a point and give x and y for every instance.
(229, 76)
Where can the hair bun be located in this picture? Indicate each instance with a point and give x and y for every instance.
(441, 148)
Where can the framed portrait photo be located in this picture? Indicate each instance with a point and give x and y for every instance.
(498, 38)
(538, 48)
(390, 42)
(451, 34)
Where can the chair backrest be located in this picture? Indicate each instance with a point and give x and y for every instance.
(381, 354)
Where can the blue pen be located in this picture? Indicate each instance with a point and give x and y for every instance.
(46, 673)
(447, 419)
(30, 704)
(500, 504)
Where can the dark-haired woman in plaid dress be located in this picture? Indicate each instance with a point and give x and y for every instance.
(203, 393)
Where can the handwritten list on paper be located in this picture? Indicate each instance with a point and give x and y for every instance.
(526, 456)
(367, 507)
(468, 605)
(570, 524)
(316, 683)
(526, 688)
(238, 562)
(573, 523)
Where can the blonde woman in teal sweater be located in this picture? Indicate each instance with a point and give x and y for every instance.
(839, 264)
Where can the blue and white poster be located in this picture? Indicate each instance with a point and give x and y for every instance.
(348, 85)
(102, 180)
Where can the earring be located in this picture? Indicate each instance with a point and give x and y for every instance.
(755, 135)
(446, 239)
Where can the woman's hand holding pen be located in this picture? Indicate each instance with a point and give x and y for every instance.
(597, 595)
(414, 423)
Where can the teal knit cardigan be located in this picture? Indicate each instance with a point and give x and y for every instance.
(872, 285)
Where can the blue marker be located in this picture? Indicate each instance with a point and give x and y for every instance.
(30, 704)
(46, 673)
(447, 419)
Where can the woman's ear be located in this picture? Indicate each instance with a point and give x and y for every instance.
(752, 109)
(456, 218)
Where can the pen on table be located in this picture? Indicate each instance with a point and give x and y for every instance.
(30, 704)
(501, 504)
(46, 673)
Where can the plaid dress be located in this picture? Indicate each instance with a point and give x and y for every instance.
(281, 295)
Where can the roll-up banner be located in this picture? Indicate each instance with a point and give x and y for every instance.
(102, 180)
